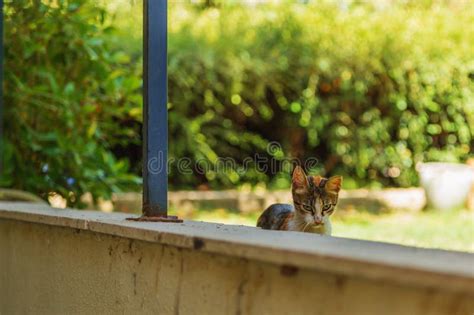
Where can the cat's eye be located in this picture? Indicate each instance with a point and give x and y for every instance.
(308, 208)
(326, 207)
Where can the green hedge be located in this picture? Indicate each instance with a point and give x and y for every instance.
(368, 91)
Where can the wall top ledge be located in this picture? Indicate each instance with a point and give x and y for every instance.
(429, 268)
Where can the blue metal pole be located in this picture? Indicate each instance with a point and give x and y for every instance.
(155, 112)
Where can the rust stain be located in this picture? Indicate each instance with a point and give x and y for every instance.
(135, 283)
(178, 293)
(241, 288)
(340, 283)
(164, 218)
(289, 270)
(198, 243)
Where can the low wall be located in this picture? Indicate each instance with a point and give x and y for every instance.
(85, 262)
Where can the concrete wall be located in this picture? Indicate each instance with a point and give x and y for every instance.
(69, 268)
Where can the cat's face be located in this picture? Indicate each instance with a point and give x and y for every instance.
(314, 197)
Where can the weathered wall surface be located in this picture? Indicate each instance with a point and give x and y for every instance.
(46, 269)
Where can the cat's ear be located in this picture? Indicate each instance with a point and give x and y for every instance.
(299, 182)
(334, 184)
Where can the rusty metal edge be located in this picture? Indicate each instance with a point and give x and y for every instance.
(164, 218)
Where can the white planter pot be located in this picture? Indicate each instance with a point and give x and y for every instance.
(446, 185)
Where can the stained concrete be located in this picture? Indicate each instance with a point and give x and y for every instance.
(75, 262)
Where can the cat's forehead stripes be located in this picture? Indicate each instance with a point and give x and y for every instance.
(316, 180)
(316, 184)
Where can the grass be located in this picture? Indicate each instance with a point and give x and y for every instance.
(452, 230)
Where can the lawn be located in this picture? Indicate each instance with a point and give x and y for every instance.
(452, 230)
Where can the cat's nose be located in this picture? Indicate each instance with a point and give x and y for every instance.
(318, 220)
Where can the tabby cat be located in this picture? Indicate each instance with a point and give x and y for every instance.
(314, 199)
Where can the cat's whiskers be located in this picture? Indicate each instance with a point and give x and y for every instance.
(307, 224)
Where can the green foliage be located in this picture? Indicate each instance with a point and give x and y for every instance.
(368, 91)
(67, 96)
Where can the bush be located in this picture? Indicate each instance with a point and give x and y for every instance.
(368, 91)
(66, 98)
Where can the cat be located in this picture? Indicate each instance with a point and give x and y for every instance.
(314, 199)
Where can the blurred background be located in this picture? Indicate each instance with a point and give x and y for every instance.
(376, 91)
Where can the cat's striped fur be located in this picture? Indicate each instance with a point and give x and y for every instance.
(314, 200)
